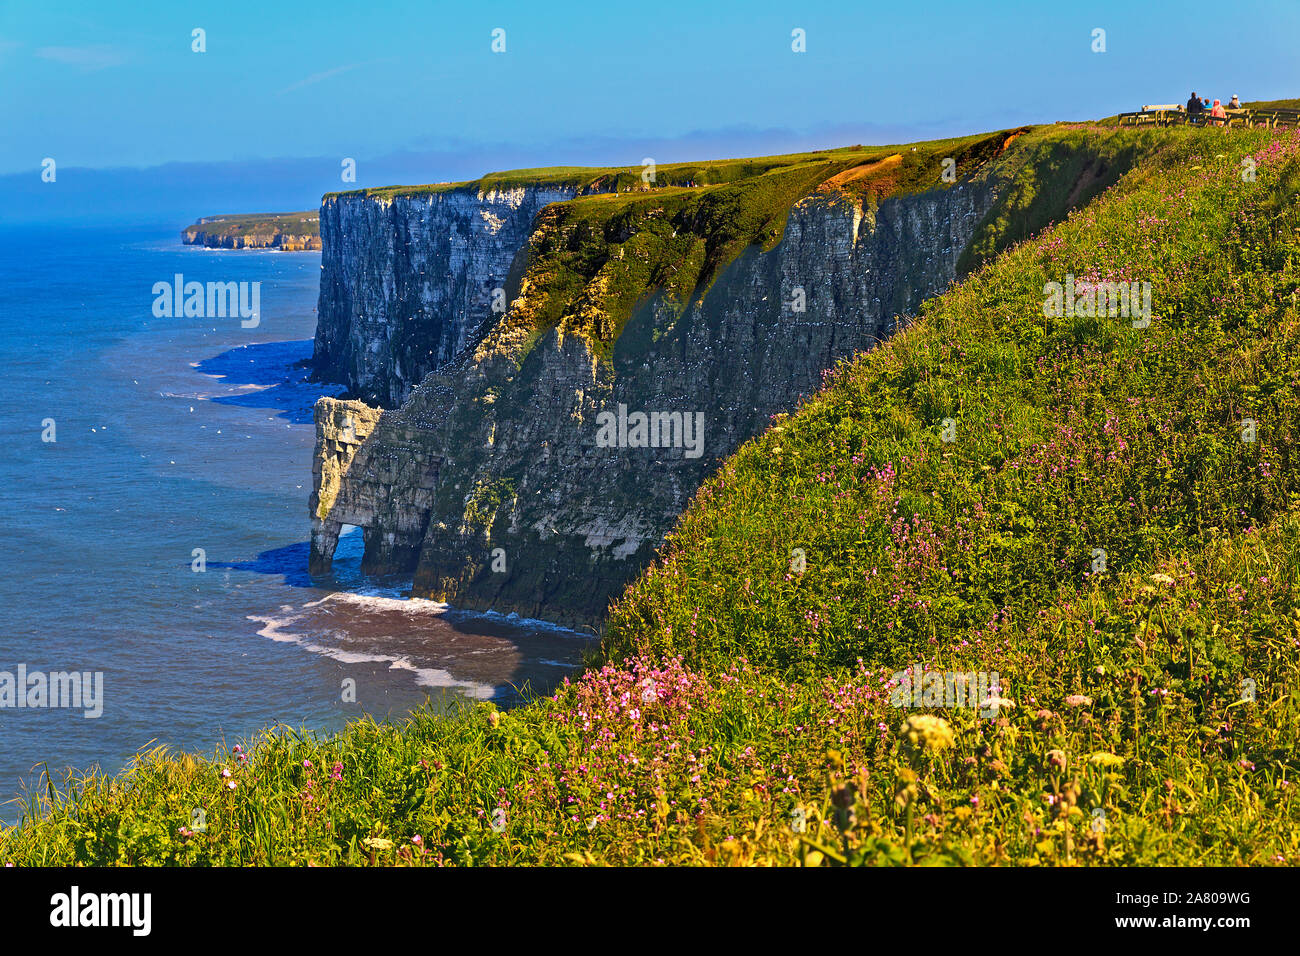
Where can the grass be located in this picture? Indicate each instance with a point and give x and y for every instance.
(741, 711)
(1272, 104)
(593, 179)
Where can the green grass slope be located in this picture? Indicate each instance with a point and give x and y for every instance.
(743, 712)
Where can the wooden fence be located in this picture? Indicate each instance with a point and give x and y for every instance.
(1173, 116)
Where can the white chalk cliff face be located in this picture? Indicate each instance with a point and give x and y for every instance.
(407, 283)
(488, 483)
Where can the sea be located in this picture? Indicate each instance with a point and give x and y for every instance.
(154, 525)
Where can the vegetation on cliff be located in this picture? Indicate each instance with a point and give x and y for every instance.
(1109, 519)
(279, 230)
(616, 179)
(593, 260)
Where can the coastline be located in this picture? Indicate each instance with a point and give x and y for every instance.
(188, 434)
(358, 619)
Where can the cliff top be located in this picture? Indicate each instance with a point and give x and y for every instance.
(306, 223)
(593, 259)
(616, 179)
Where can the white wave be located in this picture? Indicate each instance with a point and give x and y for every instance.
(431, 677)
(394, 599)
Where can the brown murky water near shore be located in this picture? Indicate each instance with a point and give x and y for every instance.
(477, 656)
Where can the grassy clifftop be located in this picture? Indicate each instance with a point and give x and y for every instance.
(592, 260)
(593, 179)
(256, 230)
(1069, 501)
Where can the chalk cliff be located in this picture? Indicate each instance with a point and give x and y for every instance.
(490, 482)
(407, 282)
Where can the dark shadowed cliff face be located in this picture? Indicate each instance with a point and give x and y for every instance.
(407, 282)
(490, 483)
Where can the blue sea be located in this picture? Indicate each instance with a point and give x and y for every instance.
(177, 434)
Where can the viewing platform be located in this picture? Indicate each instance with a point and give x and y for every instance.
(1176, 115)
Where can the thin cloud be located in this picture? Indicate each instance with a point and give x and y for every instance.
(317, 77)
(98, 57)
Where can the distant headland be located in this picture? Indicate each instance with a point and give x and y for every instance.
(287, 231)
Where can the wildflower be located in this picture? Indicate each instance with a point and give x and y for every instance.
(1103, 759)
(336, 773)
(927, 732)
(230, 785)
(307, 764)
(1162, 579)
(225, 771)
(1078, 700)
(377, 843)
(1056, 758)
(416, 840)
(494, 719)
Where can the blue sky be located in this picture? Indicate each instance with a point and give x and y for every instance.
(414, 89)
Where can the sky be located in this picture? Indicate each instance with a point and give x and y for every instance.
(413, 91)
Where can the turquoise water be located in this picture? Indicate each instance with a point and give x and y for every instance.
(178, 434)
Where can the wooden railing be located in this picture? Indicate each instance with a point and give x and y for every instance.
(1166, 116)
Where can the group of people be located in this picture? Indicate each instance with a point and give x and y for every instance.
(1198, 108)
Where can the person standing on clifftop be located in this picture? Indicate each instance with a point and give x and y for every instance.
(1194, 106)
